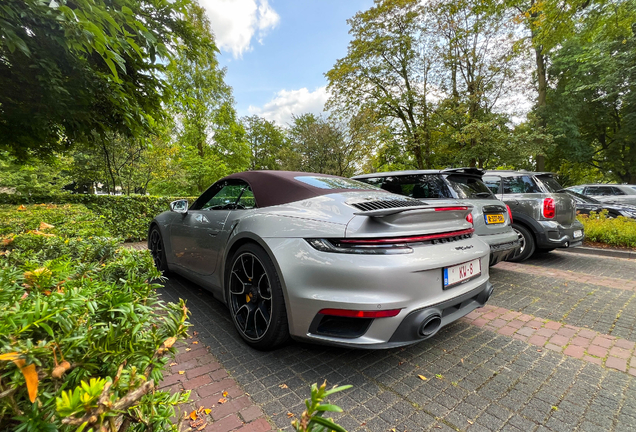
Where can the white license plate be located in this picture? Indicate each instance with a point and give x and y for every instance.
(578, 233)
(461, 273)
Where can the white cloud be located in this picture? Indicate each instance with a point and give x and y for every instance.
(292, 102)
(236, 22)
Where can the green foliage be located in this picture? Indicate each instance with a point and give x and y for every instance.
(72, 68)
(68, 220)
(83, 334)
(312, 419)
(127, 217)
(36, 176)
(267, 142)
(618, 231)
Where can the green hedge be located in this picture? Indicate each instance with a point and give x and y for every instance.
(618, 231)
(125, 216)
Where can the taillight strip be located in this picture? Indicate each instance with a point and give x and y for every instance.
(360, 313)
(413, 239)
(451, 208)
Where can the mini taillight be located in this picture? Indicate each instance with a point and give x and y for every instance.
(549, 210)
(469, 218)
(509, 213)
(360, 313)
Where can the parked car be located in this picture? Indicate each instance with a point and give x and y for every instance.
(585, 205)
(623, 194)
(543, 217)
(325, 259)
(491, 217)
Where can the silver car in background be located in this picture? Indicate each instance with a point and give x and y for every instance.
(491, 217)
(610, 193)
(325, 259)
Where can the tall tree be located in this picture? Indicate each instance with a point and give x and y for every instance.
(266, 141)
(388, 70)
(207, 130)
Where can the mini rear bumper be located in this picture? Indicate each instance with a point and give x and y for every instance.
(502, 246)
(555, 235)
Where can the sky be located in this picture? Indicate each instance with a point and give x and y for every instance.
(277, 51)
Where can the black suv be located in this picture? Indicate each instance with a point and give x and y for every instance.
(543, 216)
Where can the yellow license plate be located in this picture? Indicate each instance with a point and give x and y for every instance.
(495, 218)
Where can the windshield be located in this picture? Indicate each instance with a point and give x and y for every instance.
(550, 183)
(333, 183)
(581, 198)
(468, 187)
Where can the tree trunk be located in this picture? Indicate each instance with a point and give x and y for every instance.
(542, 82)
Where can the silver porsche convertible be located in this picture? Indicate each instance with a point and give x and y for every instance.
(325, 259)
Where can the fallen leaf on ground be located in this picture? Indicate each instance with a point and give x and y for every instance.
(222, 400)
(200, 428)
(290, 414)
(283, 386)
(21, 208)
(224, 394)
(173, 364)
(195, 342)
(181, 372)
(188, 349)
(207, 410)
(45, 226)
(193, 415)
(422, 377)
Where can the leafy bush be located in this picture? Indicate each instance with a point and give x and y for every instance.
(83, 334)
(312, 419)
(618, 231)
(125, 216)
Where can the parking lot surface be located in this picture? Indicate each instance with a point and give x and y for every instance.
(552, 350)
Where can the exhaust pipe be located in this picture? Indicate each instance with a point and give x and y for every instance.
(430, 325)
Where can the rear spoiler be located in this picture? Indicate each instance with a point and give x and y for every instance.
(419, 209)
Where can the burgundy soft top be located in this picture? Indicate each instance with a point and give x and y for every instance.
(281, 187)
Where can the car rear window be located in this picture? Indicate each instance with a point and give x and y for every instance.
(333, 182)
(415, 185)
(468, 187)
(550, 183)
(520, 184)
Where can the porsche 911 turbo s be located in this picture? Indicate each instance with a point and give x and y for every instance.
(325, 259)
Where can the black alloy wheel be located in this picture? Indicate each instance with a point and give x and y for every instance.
(255, 298)
(157, 250)
(527, 244)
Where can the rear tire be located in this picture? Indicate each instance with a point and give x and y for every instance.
(158, 251)
(255, 299)
(527, 244)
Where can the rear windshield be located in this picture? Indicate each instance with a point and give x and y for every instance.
(414, 186)
(581, 198)
(333, 182)
(550, 183)
(519, 185)
(468, 187)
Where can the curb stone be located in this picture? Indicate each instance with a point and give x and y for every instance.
(612, 253)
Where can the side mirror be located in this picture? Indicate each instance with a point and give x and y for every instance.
(179, 206)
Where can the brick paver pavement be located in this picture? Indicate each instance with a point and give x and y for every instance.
(551, 351)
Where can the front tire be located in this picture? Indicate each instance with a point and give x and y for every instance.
(255, 298)
(527, 244)
(158, 251)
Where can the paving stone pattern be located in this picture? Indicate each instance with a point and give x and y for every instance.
(606, 310)
(476, 378)
(587, 264)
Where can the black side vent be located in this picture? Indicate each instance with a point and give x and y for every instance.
(385, 204)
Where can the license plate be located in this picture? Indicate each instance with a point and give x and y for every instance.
(497, 218)
(578, 233)
(461, 273)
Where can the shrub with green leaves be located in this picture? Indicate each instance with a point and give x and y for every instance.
(125, 216)
(618, 231)
(84, 337)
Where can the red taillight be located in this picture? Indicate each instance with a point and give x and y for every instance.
(450, 208)
(413, 239)
(509, 213)
(549, 210)
(469, 218)
(360, 314)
